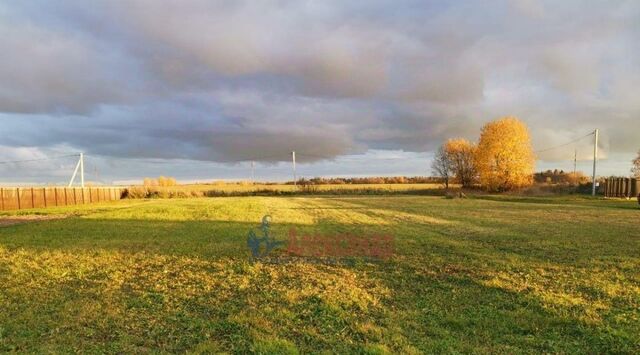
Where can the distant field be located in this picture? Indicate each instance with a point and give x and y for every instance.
(248, 187)
(497, 274)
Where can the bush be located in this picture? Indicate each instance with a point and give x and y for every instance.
(136, 192)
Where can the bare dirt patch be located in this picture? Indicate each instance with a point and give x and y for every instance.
(11, 220)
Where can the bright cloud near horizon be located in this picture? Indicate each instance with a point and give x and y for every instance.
(196, 89)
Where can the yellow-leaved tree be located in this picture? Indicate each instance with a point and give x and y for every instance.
(504, 157)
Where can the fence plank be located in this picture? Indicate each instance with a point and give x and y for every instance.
(40, 197)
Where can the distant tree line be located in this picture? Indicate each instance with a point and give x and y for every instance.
(369, 180)
(560, 177)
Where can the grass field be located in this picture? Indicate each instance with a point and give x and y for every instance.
(491, 274)
(245, 189)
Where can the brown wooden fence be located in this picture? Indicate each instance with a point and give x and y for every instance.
(621, 187)
(17, 198)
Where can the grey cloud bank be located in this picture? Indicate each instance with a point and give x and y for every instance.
(230, 81)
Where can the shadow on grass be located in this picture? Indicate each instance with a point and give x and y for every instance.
(568, 200)
(450, 310)
(208, 239)
(437, 300)
(484, 232)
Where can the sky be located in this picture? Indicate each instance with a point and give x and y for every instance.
(198, 89)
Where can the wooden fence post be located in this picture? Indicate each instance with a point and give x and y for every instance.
(33, 202)
(2, 198)
(65, 197)
(18, 194)
(44, 196)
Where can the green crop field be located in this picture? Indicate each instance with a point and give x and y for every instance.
(492, 274)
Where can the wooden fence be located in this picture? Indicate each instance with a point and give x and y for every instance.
(621, 187)
(17, 198)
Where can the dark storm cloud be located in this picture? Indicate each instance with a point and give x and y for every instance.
(238, 80)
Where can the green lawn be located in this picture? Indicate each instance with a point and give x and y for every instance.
(491, 275)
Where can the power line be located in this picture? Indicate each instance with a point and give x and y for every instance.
(40, 159)
(563, 145)
(280, 159)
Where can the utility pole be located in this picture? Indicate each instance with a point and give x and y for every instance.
(253, 177)
(75, 172)
(595, 160)
(82, 170)
(575, 162)
(293, 159)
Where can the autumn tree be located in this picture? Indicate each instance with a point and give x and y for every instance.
(461, 155)
(160, 181)
(504, 157)
(635, 170)
(441, 166)
(166, 181)
(148, 182)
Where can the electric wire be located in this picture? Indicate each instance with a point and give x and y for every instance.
(563, 145)
(39, 159)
